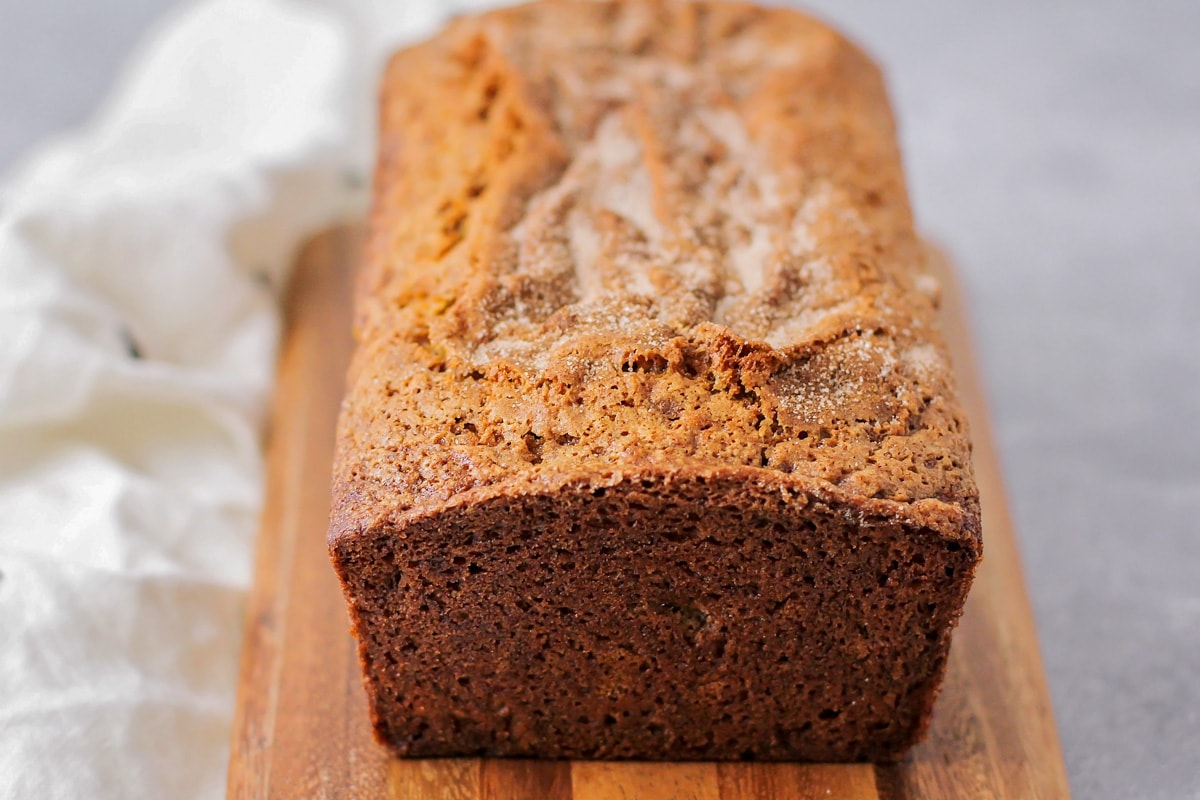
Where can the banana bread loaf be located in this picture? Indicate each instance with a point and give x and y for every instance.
(651, 448)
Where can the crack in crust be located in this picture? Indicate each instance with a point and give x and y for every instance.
(659, 233)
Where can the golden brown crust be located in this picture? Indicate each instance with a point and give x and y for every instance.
(661, 238)
(609, 233)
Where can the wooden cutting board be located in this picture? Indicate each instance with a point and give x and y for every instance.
(301, 729)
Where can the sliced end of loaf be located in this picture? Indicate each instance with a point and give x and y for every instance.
(700, 613)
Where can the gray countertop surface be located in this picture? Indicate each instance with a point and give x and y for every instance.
(1055, 149)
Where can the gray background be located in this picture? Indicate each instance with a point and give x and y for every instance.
(1055, 148)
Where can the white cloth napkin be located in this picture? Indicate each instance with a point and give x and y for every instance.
(141, 262)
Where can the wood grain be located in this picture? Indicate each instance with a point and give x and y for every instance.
(795, 781)
(301, 729)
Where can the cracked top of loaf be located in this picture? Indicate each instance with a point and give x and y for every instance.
(621, 237)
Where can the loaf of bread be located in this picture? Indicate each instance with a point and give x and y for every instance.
(651, 448)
